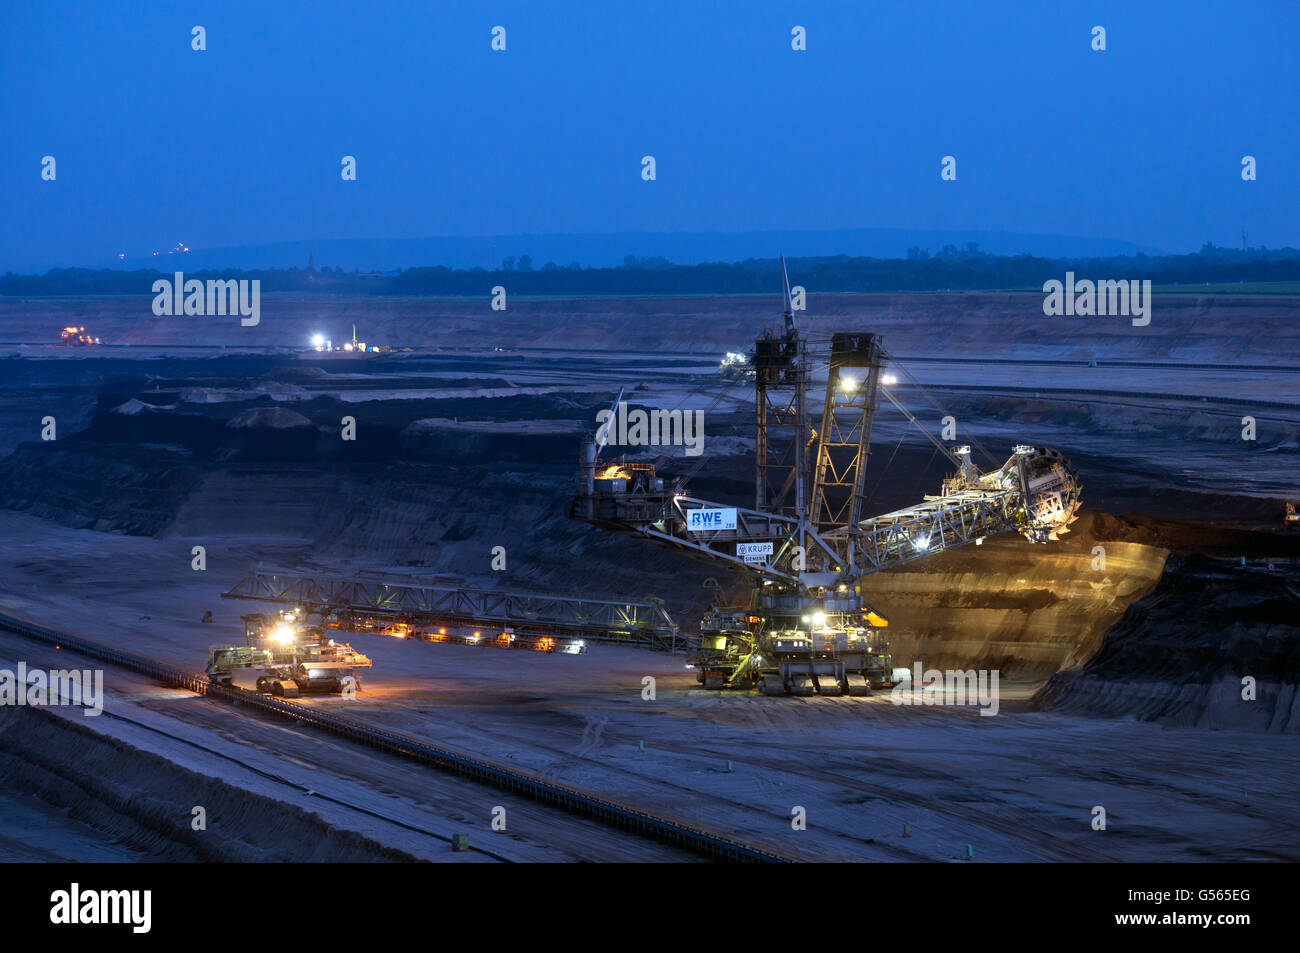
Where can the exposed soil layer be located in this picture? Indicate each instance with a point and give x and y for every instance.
(470, 442)
(1185, 537)
(1214, 326)
(145, 802)
(1024, 610)
(1214, 644)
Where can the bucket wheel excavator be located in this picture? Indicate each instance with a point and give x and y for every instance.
(805, 628)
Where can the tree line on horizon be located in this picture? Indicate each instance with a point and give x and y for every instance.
(948, 269)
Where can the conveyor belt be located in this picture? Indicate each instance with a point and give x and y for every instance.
(509, 779)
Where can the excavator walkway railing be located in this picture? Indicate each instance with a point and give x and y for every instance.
(635, 820)
(938, 524)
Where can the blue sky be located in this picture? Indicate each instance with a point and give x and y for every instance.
(241, 144)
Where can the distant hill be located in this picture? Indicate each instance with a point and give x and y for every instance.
(950, 268)
(609, 250)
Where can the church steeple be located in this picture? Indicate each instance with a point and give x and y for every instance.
(311, 262)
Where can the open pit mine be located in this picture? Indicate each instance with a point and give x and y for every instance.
(437, 599)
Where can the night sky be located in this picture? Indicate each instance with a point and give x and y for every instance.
(241, 144)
